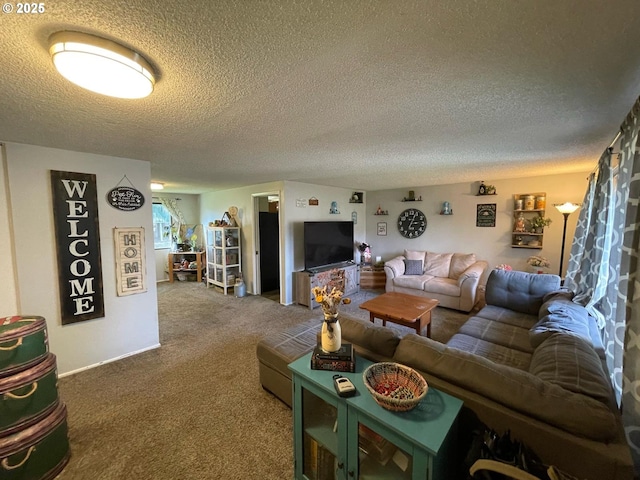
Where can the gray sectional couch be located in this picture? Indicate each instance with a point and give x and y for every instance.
(531, 361)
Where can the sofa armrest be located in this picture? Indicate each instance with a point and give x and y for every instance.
(473, 273)
(468, 282)
(394, 267)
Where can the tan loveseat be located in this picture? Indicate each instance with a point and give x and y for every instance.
(450, 278)
(535, 369)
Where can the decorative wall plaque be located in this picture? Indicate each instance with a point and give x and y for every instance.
(486, 215)
(75, 214)
(131, 272)
(125, 198)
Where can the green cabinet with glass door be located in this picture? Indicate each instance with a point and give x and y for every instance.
(354, 438)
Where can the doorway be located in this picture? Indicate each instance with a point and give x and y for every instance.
(268, 242)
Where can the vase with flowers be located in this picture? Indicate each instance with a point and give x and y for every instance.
(538, 264)
(331, 335)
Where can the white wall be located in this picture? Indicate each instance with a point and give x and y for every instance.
(189, 205)
(130, 324)
(214, 204)
(458, 232)
(8, 293)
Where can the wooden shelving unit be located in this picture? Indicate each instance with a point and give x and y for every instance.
(527, 206)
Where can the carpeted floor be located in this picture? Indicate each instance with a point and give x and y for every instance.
(194, 408)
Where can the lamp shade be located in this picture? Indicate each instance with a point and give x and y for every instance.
(567, 207)
(101, 65)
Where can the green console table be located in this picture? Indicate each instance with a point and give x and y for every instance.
(355, 438)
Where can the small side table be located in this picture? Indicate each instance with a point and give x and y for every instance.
(372, 277)
(197, 256)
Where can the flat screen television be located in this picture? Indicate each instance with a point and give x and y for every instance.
(327, 243)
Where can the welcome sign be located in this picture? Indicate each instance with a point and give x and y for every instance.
(75, 213)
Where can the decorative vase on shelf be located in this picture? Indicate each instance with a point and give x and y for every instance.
(331, 335)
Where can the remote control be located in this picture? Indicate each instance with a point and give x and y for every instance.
(343, 386)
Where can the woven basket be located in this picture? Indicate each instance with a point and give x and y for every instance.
(404, 387)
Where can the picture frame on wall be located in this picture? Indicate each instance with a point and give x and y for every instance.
(486, 215)
(382, 229)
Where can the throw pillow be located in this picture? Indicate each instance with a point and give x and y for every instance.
(459, 263)
(413, 267)
(438, 264)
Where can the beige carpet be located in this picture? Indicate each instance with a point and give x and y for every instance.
(194, 408)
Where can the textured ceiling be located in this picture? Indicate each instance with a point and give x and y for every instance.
(360, 94)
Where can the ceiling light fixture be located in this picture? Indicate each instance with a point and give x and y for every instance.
(101, 65)
(157, 186)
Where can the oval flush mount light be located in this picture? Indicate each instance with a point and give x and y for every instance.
(101, 65)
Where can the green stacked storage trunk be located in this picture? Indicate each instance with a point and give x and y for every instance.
(34, 442)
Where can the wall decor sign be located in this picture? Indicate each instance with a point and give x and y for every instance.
(486, 215)
(77, 232)
(131, 270)
(313, 202)
(382, 228)
(125, 198)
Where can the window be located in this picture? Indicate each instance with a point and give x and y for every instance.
(161, 226)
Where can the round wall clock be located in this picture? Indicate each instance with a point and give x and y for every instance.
(412, 223)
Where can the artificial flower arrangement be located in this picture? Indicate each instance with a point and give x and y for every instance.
(363, 247)
(540, 222)
(329, 301)
(538, 261)
(503, 266)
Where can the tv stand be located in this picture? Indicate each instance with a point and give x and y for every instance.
(306, 280)
(324, 268)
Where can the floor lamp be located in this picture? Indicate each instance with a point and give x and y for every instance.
(565, 209)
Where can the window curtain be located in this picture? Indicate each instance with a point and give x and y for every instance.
(628, 287)
(177, 219)
(603, 269)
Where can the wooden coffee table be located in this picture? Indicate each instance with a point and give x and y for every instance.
(403, 309)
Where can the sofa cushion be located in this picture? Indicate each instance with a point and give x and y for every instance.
(504, 315)
(412, 281)
(515, 389)
(365, 334)
(413, 267)
(438, 264)
(459, 263)
(444, 286)
(504, 334)
(519, 291)
(415, 255)
(571, 363)
(491, 351)
(554, 323)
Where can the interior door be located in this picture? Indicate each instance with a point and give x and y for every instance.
(269, 252)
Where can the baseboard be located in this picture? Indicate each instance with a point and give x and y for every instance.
(115, 359)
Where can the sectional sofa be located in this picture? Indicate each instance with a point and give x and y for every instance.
(531, 361)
